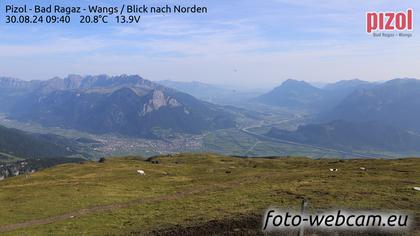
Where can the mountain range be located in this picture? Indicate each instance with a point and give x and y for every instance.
(356, 115)
(345, 135)
(302, 95)
(395, 103)
(126, 105)
(347, 115)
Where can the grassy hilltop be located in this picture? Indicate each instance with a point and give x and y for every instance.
(203, 190)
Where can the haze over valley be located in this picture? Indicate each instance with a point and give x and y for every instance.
(96, 116)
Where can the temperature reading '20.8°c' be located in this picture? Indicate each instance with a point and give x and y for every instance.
(94, 19)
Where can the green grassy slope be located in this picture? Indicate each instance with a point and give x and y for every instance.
(190, 189)
(15, 144)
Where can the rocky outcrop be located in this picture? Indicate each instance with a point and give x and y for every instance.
(158, 101)
(14, 169)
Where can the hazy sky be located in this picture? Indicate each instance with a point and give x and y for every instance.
(244, 42)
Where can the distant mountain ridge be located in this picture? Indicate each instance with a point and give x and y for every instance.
(395, 103)
(302, 95)
(127, 105)
(219, 94)
(12, 83)
(346, 85)
(356, 115)
(293, 93)
(352, 136)
(77, 82)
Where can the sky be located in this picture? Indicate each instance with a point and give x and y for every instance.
(238, 42)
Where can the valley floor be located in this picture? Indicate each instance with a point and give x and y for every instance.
(186, 193)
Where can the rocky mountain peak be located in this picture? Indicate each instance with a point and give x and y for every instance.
(158, 100)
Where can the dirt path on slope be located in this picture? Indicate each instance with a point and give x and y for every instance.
(103, 208)
(96, 209)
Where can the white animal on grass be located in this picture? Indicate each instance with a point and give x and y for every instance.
(363, 168)
(333, 170)
(417, 188)
(141, 172)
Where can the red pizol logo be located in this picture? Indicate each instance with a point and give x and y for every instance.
(389, 21)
